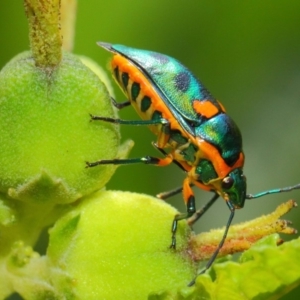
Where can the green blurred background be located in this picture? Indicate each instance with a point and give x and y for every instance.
(245, 52)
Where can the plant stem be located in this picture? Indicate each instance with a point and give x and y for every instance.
(44, 31)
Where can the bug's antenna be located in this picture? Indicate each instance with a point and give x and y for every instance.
(274, 191)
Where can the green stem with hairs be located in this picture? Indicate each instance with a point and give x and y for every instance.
(44, 31)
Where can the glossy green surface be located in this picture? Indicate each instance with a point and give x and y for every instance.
(222, 133)
(177, 84)
(174, 83)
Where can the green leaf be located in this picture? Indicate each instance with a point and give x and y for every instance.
(265, 271)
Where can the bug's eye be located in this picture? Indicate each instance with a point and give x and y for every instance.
(227, 183)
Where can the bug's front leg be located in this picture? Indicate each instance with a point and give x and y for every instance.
(200, 212)
(148, 160)
(119, 105)
(130, 122)
(189, 199)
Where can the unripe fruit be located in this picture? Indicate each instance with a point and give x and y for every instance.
(115, 245)
(46, 133)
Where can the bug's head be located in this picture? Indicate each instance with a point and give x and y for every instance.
(234, 188)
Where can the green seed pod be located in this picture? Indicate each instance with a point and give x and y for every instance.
(46, 133)
(116, 245)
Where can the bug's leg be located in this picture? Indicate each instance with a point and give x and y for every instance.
(213, 257)
(129, 122)
(168, 194)
(119, 105)
(200, 212)
(163, 136)
(149, 160)
(189, 200)
(174, 161)
(274, 191)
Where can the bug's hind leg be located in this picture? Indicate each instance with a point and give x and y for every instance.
(189, 200)
(200, 212)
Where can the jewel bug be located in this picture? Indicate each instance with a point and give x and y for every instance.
(192, 128)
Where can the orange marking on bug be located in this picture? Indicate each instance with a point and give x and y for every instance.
(165, 161)
(205, 108)
(184, 164)
(212, 154)
(187, 191)
(202, 186)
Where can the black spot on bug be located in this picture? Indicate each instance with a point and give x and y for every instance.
(125, 79)
(157, 115)
(182, 81)
(116, 73)
(145, 103)
(135, 90)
